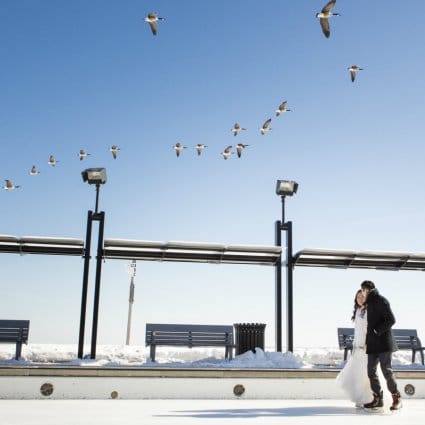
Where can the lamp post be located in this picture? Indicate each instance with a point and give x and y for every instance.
(284, 188)
(96, 176)
(132, 272)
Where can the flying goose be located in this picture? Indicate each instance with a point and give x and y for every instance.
(9, 185)
(266, 126)
(237, 129)
(152, 20)
(52, 161)
(179, 147)
(114, 149)
(227, 152)
(200, 147)
(239, 148)
(324, 16)
(282, 108)
(34, 171)
(353, 71)
(83, 154)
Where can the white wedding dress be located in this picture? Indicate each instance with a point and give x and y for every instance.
(353, 378)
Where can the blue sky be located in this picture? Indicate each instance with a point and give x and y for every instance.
(89, 74)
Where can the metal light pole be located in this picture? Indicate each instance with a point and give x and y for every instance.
(278, 289)
(132, 271)
(284, 188)
(95, 176)
(289, 288)
(100, 217)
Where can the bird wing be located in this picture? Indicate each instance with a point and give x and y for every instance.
(154, 27)
(227, 152)
(324, 23)
(114, 154)
(353, 75)
(283, 105)
(267, 123)
(329, 6)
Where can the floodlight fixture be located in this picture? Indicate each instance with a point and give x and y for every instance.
(286, 187)
(94, 176)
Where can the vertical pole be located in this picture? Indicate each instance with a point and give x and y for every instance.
(97, 198)
(101, 218)
(289, 288)
(130, 307)
(283, 212)
(278, 289)
(85, 285)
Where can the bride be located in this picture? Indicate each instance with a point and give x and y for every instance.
(353, 378)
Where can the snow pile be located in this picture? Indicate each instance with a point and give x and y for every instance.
(138, 356)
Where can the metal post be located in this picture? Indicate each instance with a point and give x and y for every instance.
(101, 218)
(130, 308)
(283, 212)
(85, 285)
(278, 288)
(97, 198)
(289, 288)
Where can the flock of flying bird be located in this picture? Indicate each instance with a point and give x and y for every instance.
(9, 185)
(152, 19)
(324, 15)
(236, 130)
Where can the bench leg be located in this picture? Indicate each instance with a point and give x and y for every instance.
(152, 352)
(413, 355)
(229, 353)
(18, 350)
(345, 354)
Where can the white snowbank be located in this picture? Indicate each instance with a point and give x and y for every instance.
(138, 356)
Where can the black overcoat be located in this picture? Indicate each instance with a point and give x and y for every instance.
(380, 319)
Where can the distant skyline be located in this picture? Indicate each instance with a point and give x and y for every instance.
(91, 75)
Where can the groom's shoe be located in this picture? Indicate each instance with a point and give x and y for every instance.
(377, 402)
(397, 404)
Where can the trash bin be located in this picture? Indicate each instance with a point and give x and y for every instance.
(249, 336)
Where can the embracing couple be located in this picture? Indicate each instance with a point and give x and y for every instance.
(373, 344)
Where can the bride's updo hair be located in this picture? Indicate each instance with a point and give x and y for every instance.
(357, 306)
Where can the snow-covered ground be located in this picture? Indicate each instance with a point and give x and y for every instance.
(138, 356)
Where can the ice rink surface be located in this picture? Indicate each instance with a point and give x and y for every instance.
(191, 412)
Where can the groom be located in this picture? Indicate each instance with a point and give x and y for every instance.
(379, 345)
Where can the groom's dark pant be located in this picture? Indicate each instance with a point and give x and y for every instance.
(385, 361)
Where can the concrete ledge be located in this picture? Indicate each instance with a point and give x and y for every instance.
(55, 382)
(166, 372)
